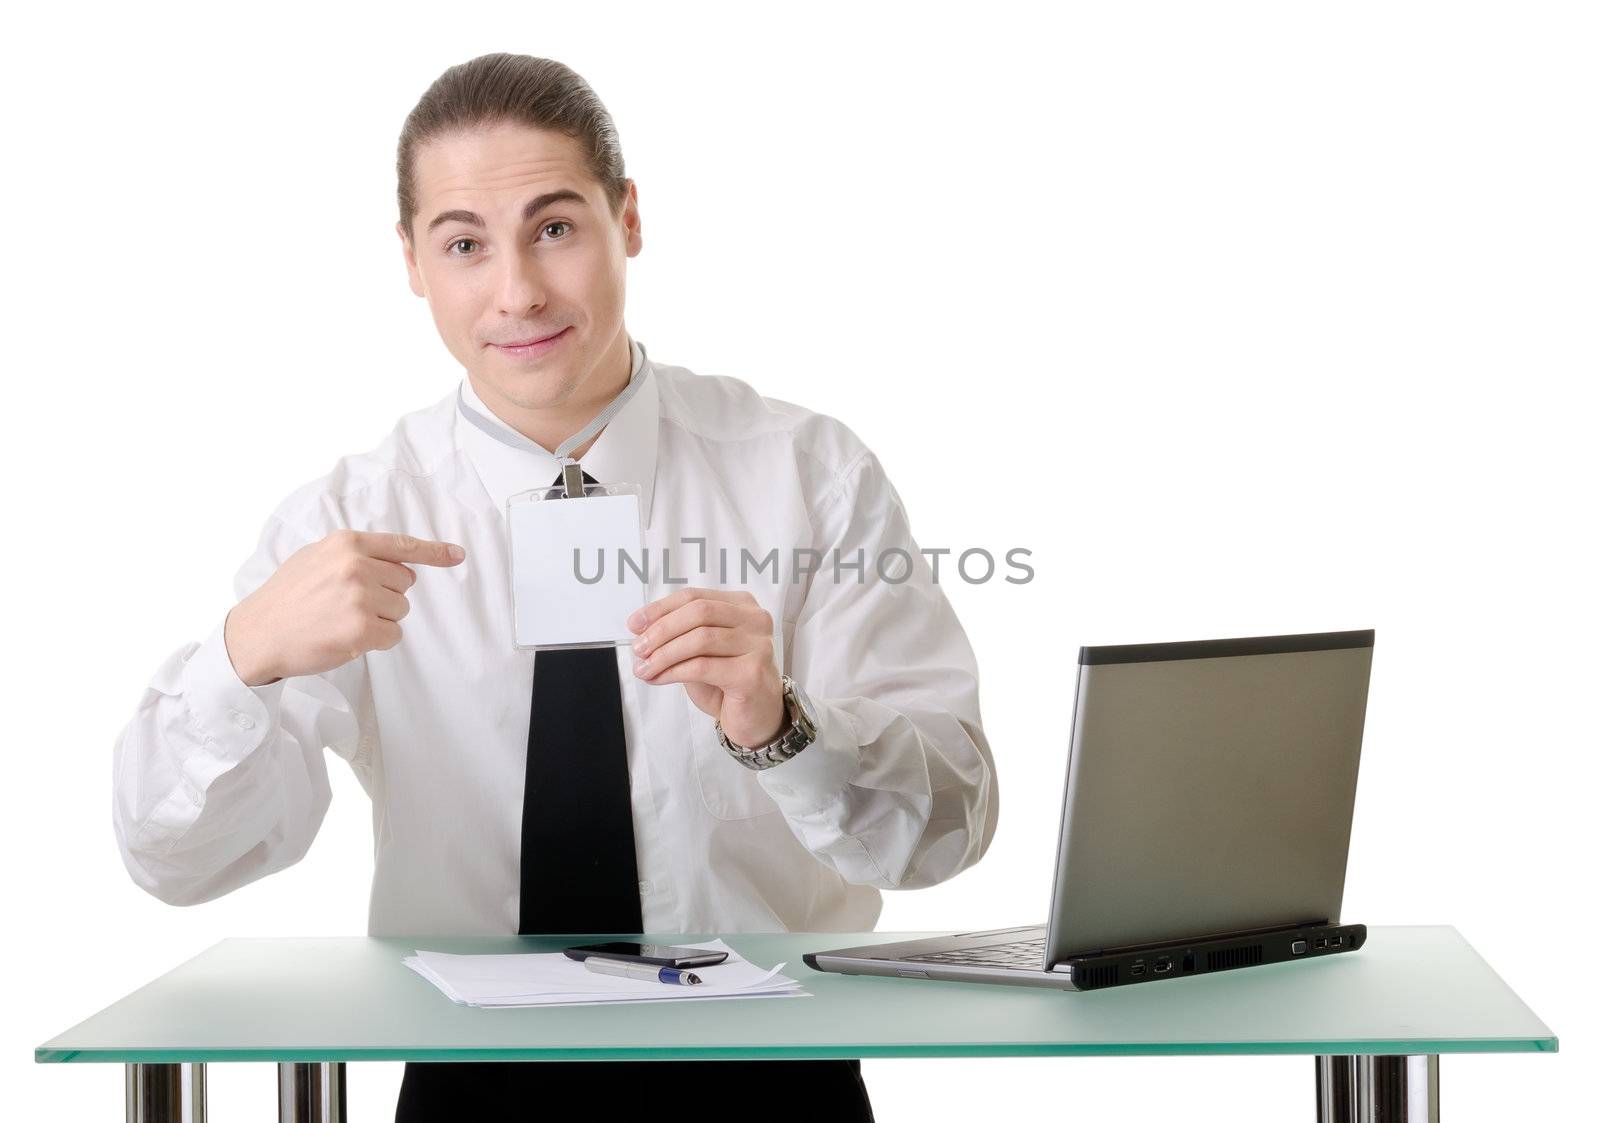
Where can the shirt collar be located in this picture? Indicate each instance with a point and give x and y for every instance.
(623, 453)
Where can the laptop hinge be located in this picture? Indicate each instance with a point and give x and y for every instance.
(1208, 937)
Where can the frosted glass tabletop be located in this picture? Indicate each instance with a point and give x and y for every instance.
(1409, 990)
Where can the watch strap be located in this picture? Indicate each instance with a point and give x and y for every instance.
(784, 747)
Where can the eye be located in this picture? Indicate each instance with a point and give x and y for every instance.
(450, 249)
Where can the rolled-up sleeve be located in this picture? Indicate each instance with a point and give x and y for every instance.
(217, 783)
(899, 789)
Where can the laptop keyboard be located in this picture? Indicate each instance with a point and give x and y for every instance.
(1025, 955)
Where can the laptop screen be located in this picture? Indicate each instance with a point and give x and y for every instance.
(1210, 788)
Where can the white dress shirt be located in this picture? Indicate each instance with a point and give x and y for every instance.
(217, 783)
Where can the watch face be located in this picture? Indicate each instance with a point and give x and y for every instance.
(808, 716)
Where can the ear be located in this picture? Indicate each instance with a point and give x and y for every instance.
(414, 275)
(632, 227)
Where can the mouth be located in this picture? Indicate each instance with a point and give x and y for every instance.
(535, 346)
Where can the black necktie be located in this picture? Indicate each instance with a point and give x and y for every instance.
(579, 873)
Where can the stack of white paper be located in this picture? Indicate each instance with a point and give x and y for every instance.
(553, 979)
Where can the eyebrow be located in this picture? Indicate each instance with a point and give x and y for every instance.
(535, 205)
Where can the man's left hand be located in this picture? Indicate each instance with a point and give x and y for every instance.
(718, 643)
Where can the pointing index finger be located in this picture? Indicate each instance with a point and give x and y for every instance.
(405, 548)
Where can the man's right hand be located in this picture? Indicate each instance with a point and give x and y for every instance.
(328, 603)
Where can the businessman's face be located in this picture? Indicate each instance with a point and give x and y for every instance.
(515, 241)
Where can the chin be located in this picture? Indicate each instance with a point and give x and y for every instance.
(535, 390)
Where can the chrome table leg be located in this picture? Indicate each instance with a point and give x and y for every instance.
(1378, 1089)
(1336, 1089)
(311, 1093)
(162, 1093)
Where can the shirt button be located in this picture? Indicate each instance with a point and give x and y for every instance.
(644, 888)
(243, 721)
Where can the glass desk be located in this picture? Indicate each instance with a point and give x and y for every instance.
(1376, 1020)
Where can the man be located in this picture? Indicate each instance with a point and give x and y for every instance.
(628, 793)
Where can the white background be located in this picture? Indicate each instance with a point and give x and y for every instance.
(1243, 318)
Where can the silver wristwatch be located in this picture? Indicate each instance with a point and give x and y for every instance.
(801, 732)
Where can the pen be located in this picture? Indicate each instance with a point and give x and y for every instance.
(640, 971)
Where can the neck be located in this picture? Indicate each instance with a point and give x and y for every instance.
(549, 427)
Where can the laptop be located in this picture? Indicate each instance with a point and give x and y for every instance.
(1205, 825)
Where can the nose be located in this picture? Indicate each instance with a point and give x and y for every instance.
(519, 285)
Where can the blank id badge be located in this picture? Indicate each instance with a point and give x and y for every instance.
(577, 565)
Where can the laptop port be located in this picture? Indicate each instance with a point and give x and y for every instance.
(1136, 970)
(1322, 942)
(1188, 964)
(1336, 941)
(1163, 965)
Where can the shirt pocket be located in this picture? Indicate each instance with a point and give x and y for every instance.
(729, 790)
